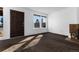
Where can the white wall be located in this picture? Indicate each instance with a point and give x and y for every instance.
(78, 15)
(28, 22)
(58, 22)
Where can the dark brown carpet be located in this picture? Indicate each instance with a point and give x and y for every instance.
(53, 43)
(50, 42)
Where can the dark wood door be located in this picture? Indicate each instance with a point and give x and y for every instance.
(16, 23)
(1, 11)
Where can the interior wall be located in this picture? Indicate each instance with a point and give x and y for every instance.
(58, 22)
(78, 15)
(28, 22)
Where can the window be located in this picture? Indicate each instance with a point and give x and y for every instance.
(39, 21)
(43, 22)
(36, 21)
(1, 21)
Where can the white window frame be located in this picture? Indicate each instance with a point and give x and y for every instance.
(40, 22)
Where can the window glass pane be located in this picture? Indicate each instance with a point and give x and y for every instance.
(36, 21)
(43, 22)
(1, 21)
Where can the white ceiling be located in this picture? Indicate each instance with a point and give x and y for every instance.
(47, 10)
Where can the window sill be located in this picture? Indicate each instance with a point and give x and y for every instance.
(39, 28)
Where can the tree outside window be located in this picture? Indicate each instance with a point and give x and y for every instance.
(43, 22)
(1, 21)
(37, 23)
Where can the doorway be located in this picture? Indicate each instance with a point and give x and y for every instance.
(16, 23)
